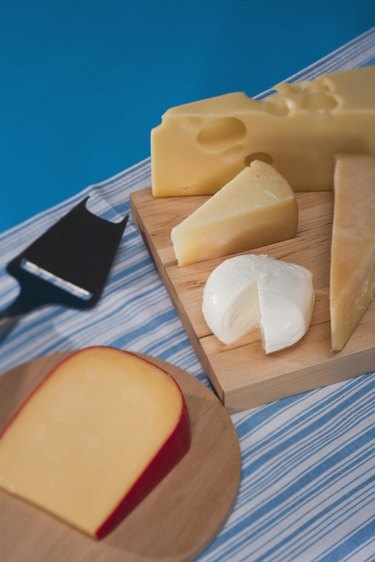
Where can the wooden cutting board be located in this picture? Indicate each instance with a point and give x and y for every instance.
(242, 375)
(175, 522)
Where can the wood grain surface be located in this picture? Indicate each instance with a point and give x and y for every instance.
(242, 375)
(175, 522)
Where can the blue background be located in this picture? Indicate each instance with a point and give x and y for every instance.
(83, 82)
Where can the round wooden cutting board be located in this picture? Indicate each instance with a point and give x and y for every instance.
(176, 521)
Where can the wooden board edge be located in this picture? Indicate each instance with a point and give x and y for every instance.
(302, 380)
(163, 273)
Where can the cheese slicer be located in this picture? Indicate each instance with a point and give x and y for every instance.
(68, 265)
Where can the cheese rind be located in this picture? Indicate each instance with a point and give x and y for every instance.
(352, 273)
(200, 146)
(256, 208)
(95, 437)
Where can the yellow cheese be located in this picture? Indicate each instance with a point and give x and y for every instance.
(96, 435)
(200, 146)
(256, 208)
(352, 284)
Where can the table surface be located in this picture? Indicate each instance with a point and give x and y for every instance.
(84, 82)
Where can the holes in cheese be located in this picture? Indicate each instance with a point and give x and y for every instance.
(219, 133)
(352, 275)
(262, 156)
(101, 431)
(317, 101)
(257, 291)
(256, 208)
(301, 127)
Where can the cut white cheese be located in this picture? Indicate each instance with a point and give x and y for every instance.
(251, 291)
(95, 437)
(256, 208)
(352, 276)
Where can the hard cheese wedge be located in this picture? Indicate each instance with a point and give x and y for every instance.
(94, 438)
(352, 277)
(256, 208)
(200, 146)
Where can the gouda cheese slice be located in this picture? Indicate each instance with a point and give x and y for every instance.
(95, 437)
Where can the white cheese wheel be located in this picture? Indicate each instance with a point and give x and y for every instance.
(251, 291)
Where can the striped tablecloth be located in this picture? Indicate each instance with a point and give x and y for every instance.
(308, 462)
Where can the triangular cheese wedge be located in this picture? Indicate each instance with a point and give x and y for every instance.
(256, 208)
(352, 277)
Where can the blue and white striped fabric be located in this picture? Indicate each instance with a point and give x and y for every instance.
(308, 481)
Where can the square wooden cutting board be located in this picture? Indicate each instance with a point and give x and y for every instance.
(242, 375)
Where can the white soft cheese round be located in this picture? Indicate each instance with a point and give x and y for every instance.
(251, 291)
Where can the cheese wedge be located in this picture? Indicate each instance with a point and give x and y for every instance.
(94, 438)
(352, 276)
(256, 208)
(258, 291)
(200, 146)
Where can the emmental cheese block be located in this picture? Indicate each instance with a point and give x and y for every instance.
(256, 208)
(352, 274)
(94, 438)
(200, 146)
